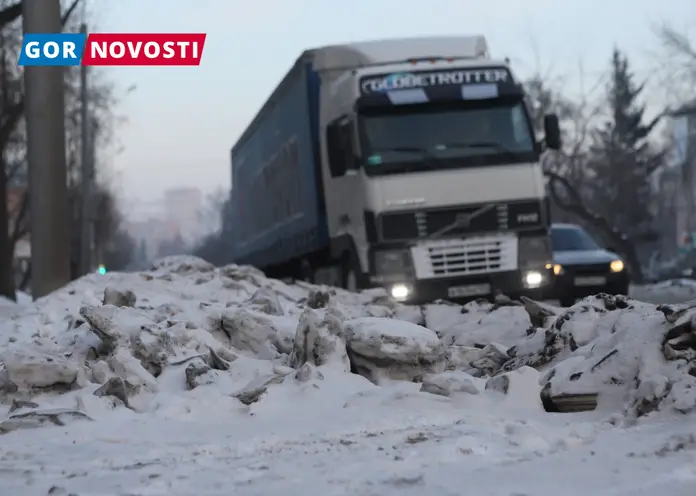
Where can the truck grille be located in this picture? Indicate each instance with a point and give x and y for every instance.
(497, 217)
(488, 220)
(463, 257)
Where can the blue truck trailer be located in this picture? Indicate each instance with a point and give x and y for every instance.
(409, 164)
(277, 205)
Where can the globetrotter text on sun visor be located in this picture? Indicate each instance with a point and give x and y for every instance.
(412, 80)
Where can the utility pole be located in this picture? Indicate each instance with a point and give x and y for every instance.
(94, 253)
(87, 173)
(45, 117)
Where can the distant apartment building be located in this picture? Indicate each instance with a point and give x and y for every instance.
(667, 203)
(678, 194)
(152, 232)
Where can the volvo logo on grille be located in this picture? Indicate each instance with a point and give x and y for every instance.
(463, 219)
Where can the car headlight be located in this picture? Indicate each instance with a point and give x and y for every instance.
(617, 266)
(393, 262)
(557, 269)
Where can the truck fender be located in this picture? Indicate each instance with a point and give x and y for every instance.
(343, 249)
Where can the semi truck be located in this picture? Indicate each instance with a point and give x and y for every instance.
(410, 164)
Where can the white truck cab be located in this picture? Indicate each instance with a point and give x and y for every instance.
(430, 169)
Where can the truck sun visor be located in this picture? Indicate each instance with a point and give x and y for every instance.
(422, 87)
(407, 97)
(480, 91)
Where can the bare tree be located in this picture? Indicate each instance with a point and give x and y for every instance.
(102, 97)
(571, 181)
(211, 213)
(215, 246)
(676, 71)
(11, 112)
(11, 105)
(677, 64)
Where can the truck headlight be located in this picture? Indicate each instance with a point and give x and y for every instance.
(533, 251)
(400, 292)
(393, 262)
(533, 279)
(616, 266)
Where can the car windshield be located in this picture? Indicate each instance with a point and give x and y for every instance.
(499, 131)
(572, 239)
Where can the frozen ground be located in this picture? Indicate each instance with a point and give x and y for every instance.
(673, 291)
(193, 381)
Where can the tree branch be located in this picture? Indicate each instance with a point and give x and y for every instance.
(14, 113)
(69, 12)
(678, 42)
(26, 277)
(10, 14)
(15, 168)
(14, 12)
(10, 119)
(20, 229)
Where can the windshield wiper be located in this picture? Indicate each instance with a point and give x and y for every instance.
(430, 154)
(406, 149)
(482, 144)
(426, 156)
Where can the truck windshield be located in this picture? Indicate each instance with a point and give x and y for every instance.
(572, 239)
(454, 135)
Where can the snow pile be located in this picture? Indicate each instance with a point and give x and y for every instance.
(208, 326)
(395, 349)
(134, 340)
(643, 359)
(626, 355)
(188, 345)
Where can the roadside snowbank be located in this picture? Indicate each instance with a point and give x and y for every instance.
(670, 291)
(188, 362)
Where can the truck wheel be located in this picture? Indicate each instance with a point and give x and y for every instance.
(306, 273)
(349, 277)
(567, 301)
(351, 282)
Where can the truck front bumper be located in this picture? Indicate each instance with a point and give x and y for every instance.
(515, 283)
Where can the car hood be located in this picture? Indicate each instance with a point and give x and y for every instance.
(584, 257)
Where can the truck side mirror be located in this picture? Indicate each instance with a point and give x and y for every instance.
(552, 130)
(348, 146)
(334, 146)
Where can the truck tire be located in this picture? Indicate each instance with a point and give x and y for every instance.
(349, 276)
(351, 281)
(305, 272)
(567, 301)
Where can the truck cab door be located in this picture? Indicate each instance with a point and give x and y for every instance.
(347, 195)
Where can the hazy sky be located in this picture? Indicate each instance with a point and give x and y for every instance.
(183, 121)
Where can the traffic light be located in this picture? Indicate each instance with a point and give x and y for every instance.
(101, 269)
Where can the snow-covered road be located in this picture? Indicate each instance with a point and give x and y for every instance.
(438, 449)
(674, 291)
(465, 453)
(211, 386)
